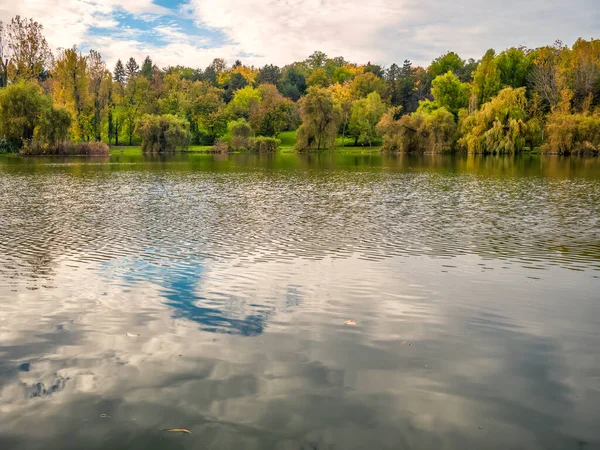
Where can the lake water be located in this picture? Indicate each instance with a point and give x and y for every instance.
(211, 293)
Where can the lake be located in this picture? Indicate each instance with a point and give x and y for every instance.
(330, 301)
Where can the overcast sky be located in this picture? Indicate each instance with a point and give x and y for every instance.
(193, 32)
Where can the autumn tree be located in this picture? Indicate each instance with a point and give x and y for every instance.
(99, 90)
(365, 83)
(500, 126)
(70, 85)
(26, 50)
(273, 114)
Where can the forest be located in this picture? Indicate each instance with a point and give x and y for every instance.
(520, 99)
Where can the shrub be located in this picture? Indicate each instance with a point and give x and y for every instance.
(420, 132)
(65, 148)
(163, 133)
(239, 134)
(263, 144)
(572, 133)
(7, 147)
(220, 147)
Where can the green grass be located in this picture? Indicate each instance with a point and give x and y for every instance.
(137, 149)
(287, 138)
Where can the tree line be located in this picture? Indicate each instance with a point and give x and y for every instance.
(507, 102)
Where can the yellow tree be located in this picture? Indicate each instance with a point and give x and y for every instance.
(70, 85)
(343, 97)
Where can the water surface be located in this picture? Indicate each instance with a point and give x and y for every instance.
(210, 292)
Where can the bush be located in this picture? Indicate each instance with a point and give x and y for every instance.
(220, 147)
(572, 134)
(419, 132)
(263, 144)
(239, 134)
(7, 147)
(65, 148)
(163, 133)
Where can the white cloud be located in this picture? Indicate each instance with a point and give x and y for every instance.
(283, 31)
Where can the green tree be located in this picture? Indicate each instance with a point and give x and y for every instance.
(268, 74)
(486, 79)
(244, 101)
(365, 116)
(514, 66)
(27, 113)
(209, 113)
(120, 76)
(147, 68)
(450, 93)
(132, 69)
(320, 120)
(162, 133)
(447, 62)
(293, 82)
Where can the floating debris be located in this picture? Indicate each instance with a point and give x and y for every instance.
(105, 416)
(132, 335)
(177, 430)
(351, 323)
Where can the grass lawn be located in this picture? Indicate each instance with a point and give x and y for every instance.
(287, 138)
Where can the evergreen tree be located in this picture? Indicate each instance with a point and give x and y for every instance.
(147, 68)
(132, 68)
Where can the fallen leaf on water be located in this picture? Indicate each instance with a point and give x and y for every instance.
(350, 322)
(178, 430)
(132, 335)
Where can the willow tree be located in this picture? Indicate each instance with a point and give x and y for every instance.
(500, 126)
(320, 120)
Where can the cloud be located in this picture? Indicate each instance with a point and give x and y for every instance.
(282, 31)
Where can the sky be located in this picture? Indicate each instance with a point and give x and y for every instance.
(258, 32)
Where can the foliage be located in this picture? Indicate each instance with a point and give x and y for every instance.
(274, 113)
(239, 134)
(365, 83)
(22, 106)
(65, 148)
(573, 133)
(365, 116)
(264, 144)
(418, 132)
(486, 79)
(26, 49)
(499, 126)
(450, 93)
(320, 120)
(164, 133)
(448, 62)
